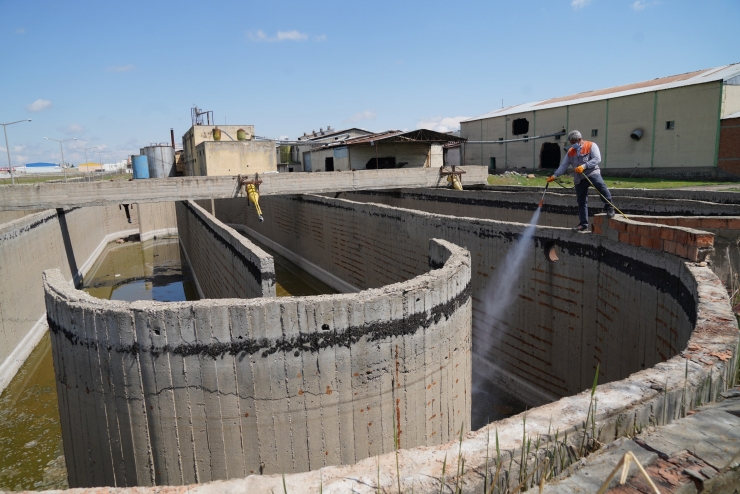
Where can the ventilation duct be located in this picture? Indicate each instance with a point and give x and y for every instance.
(636, 134)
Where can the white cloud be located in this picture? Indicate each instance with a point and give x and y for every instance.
(441, 124)
(643, 4)
(292, 35)
(20, 30)
(360, 116)
(72, 129)
(121, 68)
(39, 105)
(579, 4)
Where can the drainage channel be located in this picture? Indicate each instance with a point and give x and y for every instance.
(31, 454)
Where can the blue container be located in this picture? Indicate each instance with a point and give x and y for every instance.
(141, 166)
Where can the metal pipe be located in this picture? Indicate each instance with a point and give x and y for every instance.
(172, 136)
(502, 141)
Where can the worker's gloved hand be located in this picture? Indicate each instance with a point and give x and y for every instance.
(579, 169)
(551, 178)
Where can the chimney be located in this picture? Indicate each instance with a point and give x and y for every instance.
(172, 136)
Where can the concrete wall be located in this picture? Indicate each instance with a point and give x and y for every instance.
(690, 145)
(201, 133)
(559, 210)
(730, 99)
(235, 158)
(154, 393)
(69, 240)
(223, 262)
(156, 219)
(20, 197)
(600, 292)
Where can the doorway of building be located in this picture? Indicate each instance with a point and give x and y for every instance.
(329, 164)
(550, 155)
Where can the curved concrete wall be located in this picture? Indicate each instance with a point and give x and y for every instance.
(638, 303)
(154, 393)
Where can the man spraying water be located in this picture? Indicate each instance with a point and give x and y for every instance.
(585, 157)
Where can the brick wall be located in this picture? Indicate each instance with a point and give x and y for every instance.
(676, 235)
(729, 146)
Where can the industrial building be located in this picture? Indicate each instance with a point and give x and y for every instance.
(297, 156)
(382, 150)
(669, 126)
(210, 150)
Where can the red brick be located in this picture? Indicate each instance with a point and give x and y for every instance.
(598, 219)
(645, 241)
(635, 240)
(733, 223)
(655, 231)
(624, 237)
(704, 240)
(682, 237)
(596, 229)
(643, 230)
(669, 246)
(618, 225)
(632, 228)
(714, 223)
(667, 233)
(692, 253)
(682, 250)
(656, 243)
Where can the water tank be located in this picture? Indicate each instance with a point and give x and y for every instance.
(140, 166)
(161, 160)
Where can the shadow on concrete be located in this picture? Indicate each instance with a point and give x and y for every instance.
(76, 275)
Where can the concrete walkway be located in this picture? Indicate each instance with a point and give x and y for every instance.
(698, 453)
(64, 195)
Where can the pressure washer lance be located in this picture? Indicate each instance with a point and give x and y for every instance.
(542, 201)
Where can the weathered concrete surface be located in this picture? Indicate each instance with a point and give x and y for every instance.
(177, 393)
(652, 396)
(699, 453)
(223, 262)
(46, 195)
(637, 303)
(156, 219)
(715, 196)
(70, 240)
(519, 203)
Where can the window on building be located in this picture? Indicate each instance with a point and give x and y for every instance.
(382, 163)
(594, 132)
(329, 164)
(670, 125)
(492, 166)
(519, 126)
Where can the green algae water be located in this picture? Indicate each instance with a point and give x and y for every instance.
(151, 270)
(291, 280)
(31, 454)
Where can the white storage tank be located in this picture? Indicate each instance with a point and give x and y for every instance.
(161, 158)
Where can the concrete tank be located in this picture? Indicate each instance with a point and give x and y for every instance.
(140, 166)
(161, 160)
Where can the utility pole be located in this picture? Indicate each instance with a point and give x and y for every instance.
(62, 151)
(7, 148)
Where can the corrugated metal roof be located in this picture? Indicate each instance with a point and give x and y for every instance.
(698, 77)
(419, 135)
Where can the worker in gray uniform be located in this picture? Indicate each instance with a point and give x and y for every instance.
(585, 157)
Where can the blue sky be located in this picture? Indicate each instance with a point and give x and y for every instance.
(117, 75)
